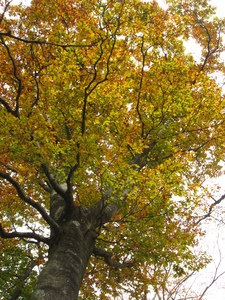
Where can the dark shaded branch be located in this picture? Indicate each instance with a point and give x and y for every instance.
(22, 278)
(108, 259)
(211, 208)
(38, 42)
(19, 89)
(15, 234)
(35, 75)
(140, 86)
(8, 108)
(107, 64)
(45, 187)
(88, 90)
(31, 202)
(64, 190)
(86, 93)
(73, 169)
(5, 9)
(68, 133)
(209, 51)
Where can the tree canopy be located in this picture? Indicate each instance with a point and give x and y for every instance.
(101, 105)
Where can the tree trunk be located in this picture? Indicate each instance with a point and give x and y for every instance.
(69, 253)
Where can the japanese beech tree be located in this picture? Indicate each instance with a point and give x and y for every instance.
(108, 130)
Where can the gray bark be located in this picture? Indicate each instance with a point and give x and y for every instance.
(69, 252)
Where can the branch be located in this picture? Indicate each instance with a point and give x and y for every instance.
(64, 191)
(30, 235)
(59, 189)
(211, 208)
(31, 202)
(5, 9)
(104, 212)
(137, 163)
(140, 86)
(45, 187)
(86, 93)
(8, 108)
(108, 259)
(209, 51)
(38, 42)
(88, 90)
(19, 90)
(215, 277)
(22, 278)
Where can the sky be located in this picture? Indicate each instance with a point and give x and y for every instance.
(220, 4)
(214, 241)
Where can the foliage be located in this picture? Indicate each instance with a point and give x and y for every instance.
(87, 87)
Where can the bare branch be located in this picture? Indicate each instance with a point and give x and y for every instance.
(19, 89)
(5, 9)
(215, 277)
(15, 234)
(211, 208)
(31, 202)
(88, 90)
(38, 42)
(210, 51)
(86, 93)
(140, 86)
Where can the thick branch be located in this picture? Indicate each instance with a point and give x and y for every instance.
(15, 234)
(103, 211)
(138, 161)
(31, 202)
(108, 259)
(8, 108)
(62, 192)
(59, 189)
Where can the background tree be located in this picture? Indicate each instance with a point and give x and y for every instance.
(104, 121)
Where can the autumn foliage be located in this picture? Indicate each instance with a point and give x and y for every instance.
(102, 96)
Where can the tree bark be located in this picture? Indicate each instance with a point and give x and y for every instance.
(69, 252)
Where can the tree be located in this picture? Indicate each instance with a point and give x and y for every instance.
(105, 120)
